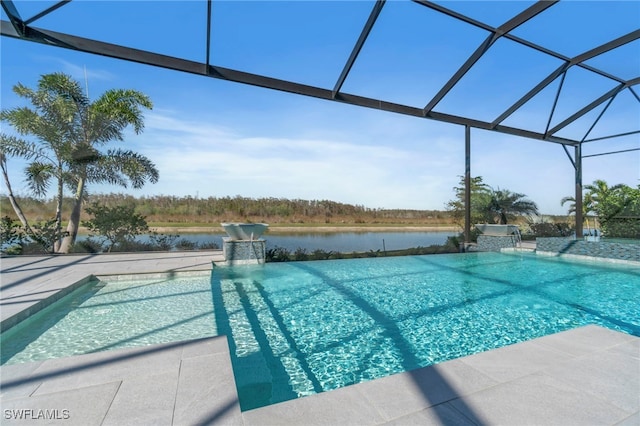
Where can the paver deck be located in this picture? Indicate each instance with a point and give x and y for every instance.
(585, 376)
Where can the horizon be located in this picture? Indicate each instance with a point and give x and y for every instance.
(213, 138)
(197, 197)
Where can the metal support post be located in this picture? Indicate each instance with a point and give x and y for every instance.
(578, 167)
(467, 185)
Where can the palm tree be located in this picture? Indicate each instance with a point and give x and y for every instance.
(480, 194)
(505, 203)
(49, 123)
(587, 206)
(12, 198)
(69, 131)
(600, 193)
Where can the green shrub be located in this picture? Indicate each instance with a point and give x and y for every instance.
(622, 227)
(209, 245)
(118, 225)
(163, 242)
(277, 254)
(300, 254)
(11, 236)
(320, 254)
(185, 245)
(128, 246)
(88, 246)
(560, 229)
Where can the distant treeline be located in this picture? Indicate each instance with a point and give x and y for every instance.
(194, 210)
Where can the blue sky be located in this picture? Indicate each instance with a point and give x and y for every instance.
(215, 138)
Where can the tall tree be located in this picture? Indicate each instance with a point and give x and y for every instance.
(7, 182)
(480, 199)
(505, 205)
(70, 131)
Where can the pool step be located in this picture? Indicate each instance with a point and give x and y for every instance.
(261, 375)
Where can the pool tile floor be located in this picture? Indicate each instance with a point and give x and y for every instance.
(585, 376)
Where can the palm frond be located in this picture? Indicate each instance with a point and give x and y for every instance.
(16, 147)
(62, 86)
(128, 167)
(39, 176)
(124, 107)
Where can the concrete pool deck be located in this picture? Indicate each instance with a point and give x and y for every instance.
(585, 376)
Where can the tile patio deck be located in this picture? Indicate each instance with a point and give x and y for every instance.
(585, 376)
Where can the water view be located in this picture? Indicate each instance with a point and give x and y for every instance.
(345, 242)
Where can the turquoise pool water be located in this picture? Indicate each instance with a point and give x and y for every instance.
(300, 328)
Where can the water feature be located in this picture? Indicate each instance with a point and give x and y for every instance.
(243, 244)
(244, 231)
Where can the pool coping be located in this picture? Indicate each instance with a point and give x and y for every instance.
(41, 304)
(572, 377)
(31, 283)
(581, 376)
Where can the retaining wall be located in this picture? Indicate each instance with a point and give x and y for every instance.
(495, 242)
(602, 249)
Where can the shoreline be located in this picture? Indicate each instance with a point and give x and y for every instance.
(308, 229)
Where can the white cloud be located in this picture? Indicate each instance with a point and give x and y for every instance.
(214, 161)
(211, 160)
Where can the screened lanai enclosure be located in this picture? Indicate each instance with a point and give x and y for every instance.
(587, 87)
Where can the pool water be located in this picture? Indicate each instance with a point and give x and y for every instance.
(109, 315)
(300, 328)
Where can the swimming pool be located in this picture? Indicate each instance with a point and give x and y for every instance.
(305, 327)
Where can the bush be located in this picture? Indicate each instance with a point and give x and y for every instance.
(300, 254)
(11, 236)
(14, 240)
(31, 247)
(10, 231)
(185, 244)
(320, 254)
(277, 254)
(163, 242)
(132, 246)
(210, 245)
(46, 234)
(87, 246)
(560, 229)
(118, 225)
(622, 227)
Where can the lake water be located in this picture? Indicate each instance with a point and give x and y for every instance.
(345, 242)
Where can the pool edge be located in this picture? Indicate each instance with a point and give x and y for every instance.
(18, 317)
(478, 387)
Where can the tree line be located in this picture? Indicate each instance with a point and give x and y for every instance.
(169, 209)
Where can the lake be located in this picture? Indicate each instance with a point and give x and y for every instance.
(345, 242)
